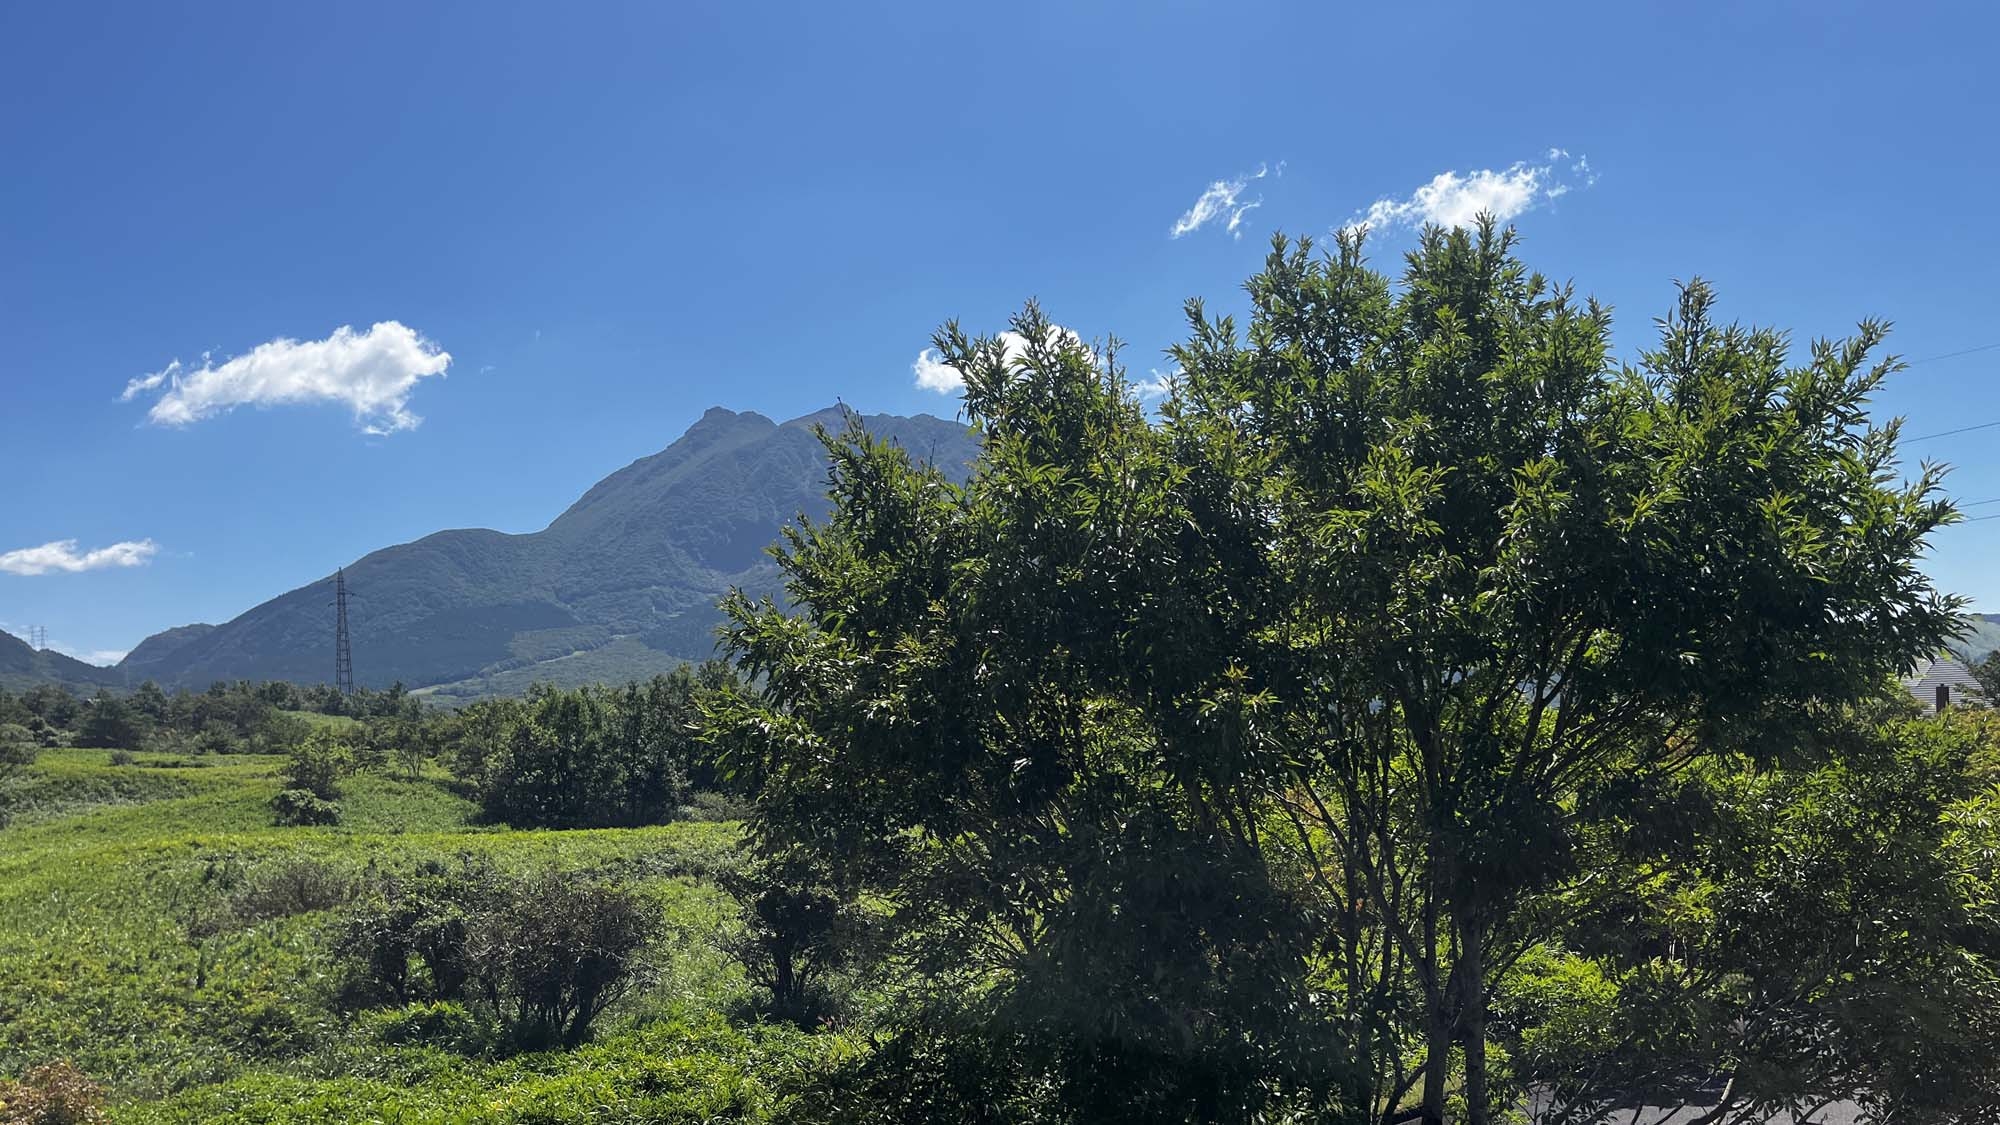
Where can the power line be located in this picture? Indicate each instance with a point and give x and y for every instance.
(1952, 355)
(1948, 433)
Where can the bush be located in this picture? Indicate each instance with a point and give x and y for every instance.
(408, 941)
(18, 749)
(318, 763)
(54, 1094)
(713, 807)
(558, 952)
(300, 808)
(299, 885)
(438, 1023)
(122, 758)
(545, 956)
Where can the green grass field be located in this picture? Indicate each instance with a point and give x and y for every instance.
(105, 866)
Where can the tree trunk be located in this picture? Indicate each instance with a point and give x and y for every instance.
(1438, 1026)
(784, 983)
(1472, 1019)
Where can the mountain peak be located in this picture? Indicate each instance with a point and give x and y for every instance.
(622, 584)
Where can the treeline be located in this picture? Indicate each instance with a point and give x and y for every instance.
(585, 757)
(240, 717)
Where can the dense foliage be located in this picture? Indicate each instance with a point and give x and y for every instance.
(588, 757)
(1228, 764)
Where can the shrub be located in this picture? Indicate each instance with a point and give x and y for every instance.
(797, 928)
(18, 749)
(438, 1023)
(558, 952)
(122, 758)
(288, 887)
(545, 956)
(713, 807)
(298, 808)
(409, 940)
(317, 764)
(53, 1094)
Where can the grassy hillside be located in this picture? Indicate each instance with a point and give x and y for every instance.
(108, 874)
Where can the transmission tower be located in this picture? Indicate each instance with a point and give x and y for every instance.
(343, 657)
(38, 636)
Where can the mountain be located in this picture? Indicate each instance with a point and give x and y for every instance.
(1982, 635)
(142, 662)
(22, 666)
(623, 583)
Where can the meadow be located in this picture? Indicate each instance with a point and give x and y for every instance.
(134, 944)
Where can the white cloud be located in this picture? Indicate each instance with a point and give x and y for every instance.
(1157, 385)
(371, 373)
(62, 555)
(1223, 198)
(934, 374)
(102, 657)
(1452, 200)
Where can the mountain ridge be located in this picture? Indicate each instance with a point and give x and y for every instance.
(642, 555)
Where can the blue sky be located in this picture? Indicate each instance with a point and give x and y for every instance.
(611, 217)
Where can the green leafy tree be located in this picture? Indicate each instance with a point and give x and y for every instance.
(1987, 671)
(1831, 935)
(110, 723)
(280, 732)
(799, 927)
(319, 763)
(1325, 678)
(557, 769)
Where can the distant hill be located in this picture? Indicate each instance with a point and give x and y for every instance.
(1982, 637)
(627, 577)
(22, 666)
(142, 663)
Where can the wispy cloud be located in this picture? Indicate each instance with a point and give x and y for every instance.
(1224, 201)
(1452, 200)
(63, 555)
(371, 373)
(102, 657)
(934, 374)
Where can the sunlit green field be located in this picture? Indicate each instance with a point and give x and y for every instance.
(106, 866)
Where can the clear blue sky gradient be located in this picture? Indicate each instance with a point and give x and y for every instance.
(616, 216)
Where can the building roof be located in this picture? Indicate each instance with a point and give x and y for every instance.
(1946, 671)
